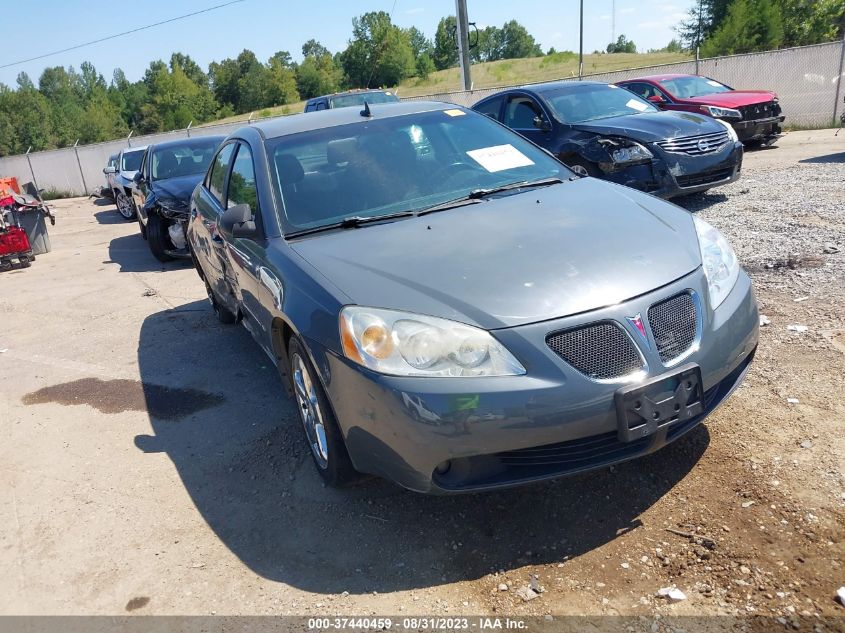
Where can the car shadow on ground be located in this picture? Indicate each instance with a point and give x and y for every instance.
(240, 452)
(104, 202)
(838, 157)
(133, 255)
(700, 201)
(110, 216)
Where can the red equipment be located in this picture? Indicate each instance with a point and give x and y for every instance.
(14, 243)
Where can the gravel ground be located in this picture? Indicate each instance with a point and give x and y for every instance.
(112, 503)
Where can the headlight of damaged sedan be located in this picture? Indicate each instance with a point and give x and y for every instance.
(719, 260)
(633, 153)
(405, 344)
(722, 113)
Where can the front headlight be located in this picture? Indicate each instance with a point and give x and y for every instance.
(722, 113)
(405, 344)
(719, 260)
(730, 128)
(631, 154)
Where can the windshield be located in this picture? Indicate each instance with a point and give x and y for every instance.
(688, 87)
(576, 104)
(186, 159)
(131, 161)
(344, 101)
(398, 164)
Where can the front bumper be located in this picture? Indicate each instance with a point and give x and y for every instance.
(766, 129)
(669, 175)
(402, 428)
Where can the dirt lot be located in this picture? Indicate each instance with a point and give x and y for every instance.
(152, 465)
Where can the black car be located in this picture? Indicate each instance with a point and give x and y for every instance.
(162, 191)
(349, 99)
(606, 131)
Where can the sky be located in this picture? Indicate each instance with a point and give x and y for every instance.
(267, 26)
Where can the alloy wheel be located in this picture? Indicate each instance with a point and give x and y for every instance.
(309, 411)
(124, 206)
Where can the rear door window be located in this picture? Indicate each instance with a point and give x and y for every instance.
(219, 169)
(491, 108)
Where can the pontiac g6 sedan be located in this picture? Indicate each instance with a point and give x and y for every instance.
(454, 309)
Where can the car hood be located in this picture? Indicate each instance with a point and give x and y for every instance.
(734, 98)
(514, 260)
(179, 188)
(649, 127)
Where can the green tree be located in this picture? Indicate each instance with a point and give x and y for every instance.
(445, 48)
(703, 18)
(518, 42)
(317, 76)
(190, 68)
(622, 45)
(175, 101)
(379, 53)
(812, 21)
(313, 48)
(751, 25)
(490, 45)
(425, 66)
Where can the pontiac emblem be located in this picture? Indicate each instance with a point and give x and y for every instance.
(637, 322)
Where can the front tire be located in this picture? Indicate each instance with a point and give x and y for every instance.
(321, 429)
(143, 229)
(583, 167)
(125, 205)
(157, 237)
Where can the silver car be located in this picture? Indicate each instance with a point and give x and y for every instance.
(119, 177)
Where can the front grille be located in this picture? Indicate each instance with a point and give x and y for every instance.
(759, 111)
(575, 454)
(703, 178)
(674, 324)
(602, 351)
(696, 145)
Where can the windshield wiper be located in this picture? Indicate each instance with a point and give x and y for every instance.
(522, 184)
(351, 222)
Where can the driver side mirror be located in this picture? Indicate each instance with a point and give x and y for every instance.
(542, 124)
(109, 169)
(138, 178)
(237, 221)
(656, 99)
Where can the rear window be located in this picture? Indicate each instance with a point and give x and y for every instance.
(345, 101)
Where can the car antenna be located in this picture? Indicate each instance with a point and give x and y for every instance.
(366, 111)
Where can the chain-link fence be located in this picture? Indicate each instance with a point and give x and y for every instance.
(807, 79)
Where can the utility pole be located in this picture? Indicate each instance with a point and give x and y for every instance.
(698, 37)
(613, 22)
(462, 21)
(581, 44)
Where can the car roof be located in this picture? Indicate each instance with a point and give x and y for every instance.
(351, 92)
(659, 78)
(140, 148)
(573, 85)
(306, 122)
(181, 141)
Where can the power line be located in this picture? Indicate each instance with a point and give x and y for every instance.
(111, 37)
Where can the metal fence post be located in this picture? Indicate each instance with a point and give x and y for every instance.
(839, 79)
(129, 138)
(79, 162)
(697, 58)
(32, 171)
(188, 129)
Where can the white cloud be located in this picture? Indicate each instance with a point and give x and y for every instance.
(415, 10)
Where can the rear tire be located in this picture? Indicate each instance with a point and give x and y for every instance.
(157, 238)
(322, 431)
(224, 314)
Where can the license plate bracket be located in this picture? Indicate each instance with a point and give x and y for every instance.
(644, 408)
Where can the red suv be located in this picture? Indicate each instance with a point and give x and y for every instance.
(754, 114)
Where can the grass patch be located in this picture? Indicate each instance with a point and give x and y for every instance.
(57, 194)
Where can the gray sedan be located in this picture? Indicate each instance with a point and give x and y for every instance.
(454, 309)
